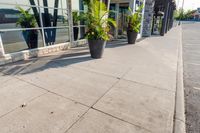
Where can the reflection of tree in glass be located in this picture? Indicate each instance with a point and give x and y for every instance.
(50, 33)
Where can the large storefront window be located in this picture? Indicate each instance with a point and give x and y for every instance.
(27, 24)
(119, 11)
(78, 25)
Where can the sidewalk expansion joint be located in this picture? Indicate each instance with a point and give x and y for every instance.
(48, 91)
(121, 78)
(122, 120)
(77, 120)
(29, 101)
(136, 82)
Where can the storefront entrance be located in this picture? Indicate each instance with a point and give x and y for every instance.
(119, 12)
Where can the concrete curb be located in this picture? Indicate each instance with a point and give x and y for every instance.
(179, 116)
(38, 52)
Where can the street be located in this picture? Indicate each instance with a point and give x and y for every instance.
(191, 57)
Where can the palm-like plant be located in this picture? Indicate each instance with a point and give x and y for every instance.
(26, 20)
(76, 17)
(134, 19)
(97, 21)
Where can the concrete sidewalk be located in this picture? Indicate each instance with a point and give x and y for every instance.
(131, 90)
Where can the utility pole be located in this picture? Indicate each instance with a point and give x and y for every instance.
(181, 12)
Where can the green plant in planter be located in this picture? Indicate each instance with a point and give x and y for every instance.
(98, 26)
(134, 24)
(27, 20)
(76, 19)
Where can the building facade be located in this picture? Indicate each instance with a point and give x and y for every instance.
(55, 25)
(196, 15)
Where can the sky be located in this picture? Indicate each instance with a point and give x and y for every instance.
(189, 4)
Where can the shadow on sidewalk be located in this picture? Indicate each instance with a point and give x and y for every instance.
(55, 61)
(44, 63)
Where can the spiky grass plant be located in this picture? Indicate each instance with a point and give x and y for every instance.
(134, 19)
(97, 21)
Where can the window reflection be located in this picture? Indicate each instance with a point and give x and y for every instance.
(21, 40)
(32, 24)
(9, 16)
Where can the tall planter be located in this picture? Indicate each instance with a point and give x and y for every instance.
(132, 36)
(31, 38)
(76, 31)
(96, 48)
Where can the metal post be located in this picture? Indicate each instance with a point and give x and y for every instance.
(2, 52)
(116, 19)
(70, 19)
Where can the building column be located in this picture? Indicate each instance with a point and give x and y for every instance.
(171, 17)
(141, 27)
(165, 19)
(2, 53)
(70, 19)
(168, 17)
(148, 18)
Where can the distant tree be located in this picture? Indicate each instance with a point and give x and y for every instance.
(184, 15)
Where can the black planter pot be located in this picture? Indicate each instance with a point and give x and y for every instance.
(132, 36)
(76, 31)
(96, 48)
(31, 38)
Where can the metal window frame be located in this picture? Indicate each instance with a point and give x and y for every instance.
(42, 28)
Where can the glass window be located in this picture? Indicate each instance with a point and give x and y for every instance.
(62, 35)
(75, 5)
(61, 4)
(21, 40)
(54, 17)
(12, 17)
(16, 2)
(29, 33)
(138, 4)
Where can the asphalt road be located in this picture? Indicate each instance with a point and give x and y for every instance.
(191, 57)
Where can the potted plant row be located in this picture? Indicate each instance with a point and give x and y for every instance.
(27, 20)
(98, 27)
(134, 24)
